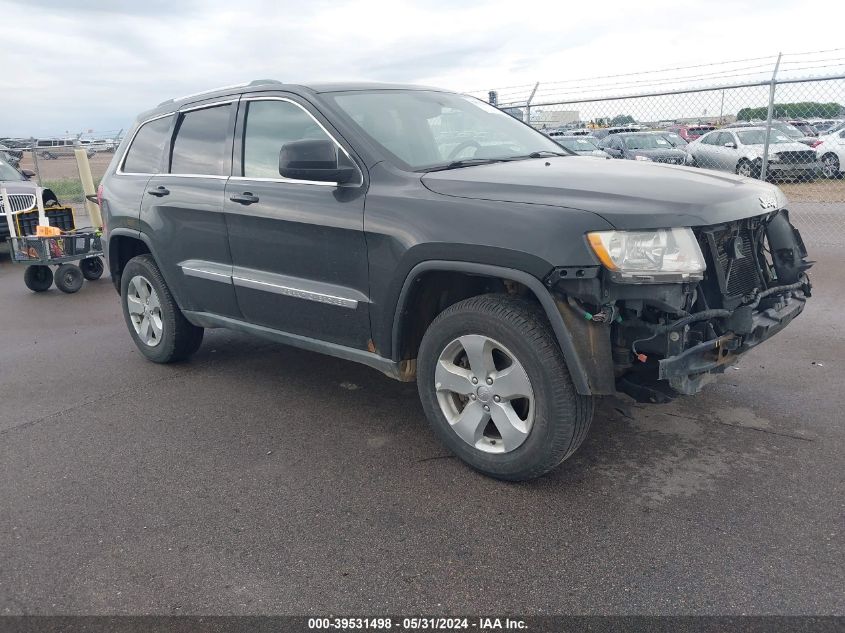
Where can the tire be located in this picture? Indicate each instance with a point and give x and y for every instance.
(167, 336)
(555, 416)
(92, 268)
(38, 278)
(830, 166)
(69, 278)
(748, 169)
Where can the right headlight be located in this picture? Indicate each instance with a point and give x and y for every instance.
(649, 256)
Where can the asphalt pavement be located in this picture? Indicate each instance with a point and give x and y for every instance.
(261, 479)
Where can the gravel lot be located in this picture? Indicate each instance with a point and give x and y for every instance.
(263, 479)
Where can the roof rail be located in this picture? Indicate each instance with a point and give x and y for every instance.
(254, 82)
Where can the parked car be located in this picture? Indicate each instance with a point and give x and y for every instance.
(788, 130)
(675, 140)
(643, 146)
(740, 151)
(825, 126)
(21, 192)
(831, 153)
(513, 281)
(580, 131)
(603, 132)
(691, 132)
(804, 127)
(581, 145)
(10, 155)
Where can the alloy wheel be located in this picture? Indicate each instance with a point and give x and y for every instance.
(484, 393)
(144, 310)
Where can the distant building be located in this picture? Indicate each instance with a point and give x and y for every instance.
(542, 118)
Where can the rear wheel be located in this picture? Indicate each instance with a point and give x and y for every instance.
(92, 268)
(496, 389)
(38, 278)
(830, 166)
(69, 278)
(156, 324)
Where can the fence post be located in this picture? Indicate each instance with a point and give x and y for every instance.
(765, 166)
(35, 163)
(528, 103)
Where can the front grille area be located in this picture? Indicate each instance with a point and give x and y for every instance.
(19, 202)
(735, 257)
(673, 160)
(733, 260)
(803, 157)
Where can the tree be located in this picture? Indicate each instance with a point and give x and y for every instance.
(622, 119)
(795, 110)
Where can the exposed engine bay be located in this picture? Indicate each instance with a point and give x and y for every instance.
(654, 341)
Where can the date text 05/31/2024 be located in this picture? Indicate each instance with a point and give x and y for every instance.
(417, 624)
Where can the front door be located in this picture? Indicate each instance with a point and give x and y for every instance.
(298, 250)
(184, 207)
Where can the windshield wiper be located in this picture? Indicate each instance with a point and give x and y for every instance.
(469, 162)
(546, 152)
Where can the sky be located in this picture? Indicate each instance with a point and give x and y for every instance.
(67, 66)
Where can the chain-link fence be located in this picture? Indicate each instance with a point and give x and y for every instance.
(790, 131)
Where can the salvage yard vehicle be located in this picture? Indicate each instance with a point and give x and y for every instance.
(514, 282)
(740, 151)
(581, 145)
(23, 203)
(643, 146)
(831, 153)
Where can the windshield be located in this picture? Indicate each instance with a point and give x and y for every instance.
(790, 130)
(579, 144)
(647, 141)
(758, 137)
(675, 140)
(7, 172)
(426, 129)
(698, 131)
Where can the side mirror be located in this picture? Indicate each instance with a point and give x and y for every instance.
(731, 144)
(27, 173)
(318, 160)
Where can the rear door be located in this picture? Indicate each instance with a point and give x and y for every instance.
(183, 209)
(298, 247)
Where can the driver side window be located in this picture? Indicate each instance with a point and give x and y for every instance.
(269, 125)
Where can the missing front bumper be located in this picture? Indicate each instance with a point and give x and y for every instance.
(693, 368)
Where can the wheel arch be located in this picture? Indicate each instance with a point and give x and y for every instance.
(123, 245)
(406, 329)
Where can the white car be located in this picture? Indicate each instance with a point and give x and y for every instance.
(740, 151)
(831, 153)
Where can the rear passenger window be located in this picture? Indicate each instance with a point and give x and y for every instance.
(269, 125)
(200, 145)
(144, 155)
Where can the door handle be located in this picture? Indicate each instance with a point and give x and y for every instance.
(244, 198)
(159, 191)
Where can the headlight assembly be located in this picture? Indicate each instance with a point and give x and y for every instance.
(663, 255)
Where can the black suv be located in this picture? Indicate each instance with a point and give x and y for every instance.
(433, 237)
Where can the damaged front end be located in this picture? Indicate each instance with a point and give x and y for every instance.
(654, 337)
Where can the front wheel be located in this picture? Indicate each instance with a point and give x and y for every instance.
(496, 389)
(830, 166)
(748, 169)
(69, 278)
(156, 324)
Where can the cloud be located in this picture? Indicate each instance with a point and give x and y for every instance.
(79, 64)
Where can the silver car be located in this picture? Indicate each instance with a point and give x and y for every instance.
(740, 151)
(581, 145)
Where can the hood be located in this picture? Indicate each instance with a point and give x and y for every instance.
(628, 194)
(778, 147)
(18, 186)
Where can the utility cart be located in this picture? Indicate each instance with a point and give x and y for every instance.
(76, 254)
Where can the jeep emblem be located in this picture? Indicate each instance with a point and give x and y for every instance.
(768, 202)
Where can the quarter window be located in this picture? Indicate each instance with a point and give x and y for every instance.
(144, 155)
(200, 145)
(269, 125)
